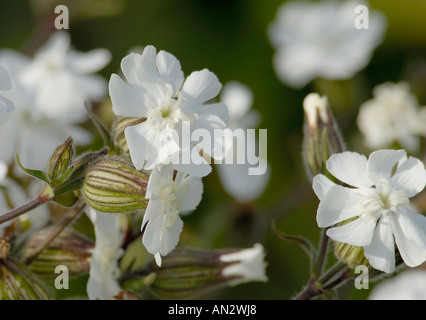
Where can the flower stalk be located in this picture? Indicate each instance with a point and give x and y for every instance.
(42, 198)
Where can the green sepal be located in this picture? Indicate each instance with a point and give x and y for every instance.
(60, 162)
(40, 175)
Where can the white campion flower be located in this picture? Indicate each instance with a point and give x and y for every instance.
(407, 285)
(235, 177)
(375, 206)
(319, 39)
(61, 79)
(249, 265)
(392, 115)
(157, 90)
(170, 194)
(31, 133)
(5, 84)
(104, 269)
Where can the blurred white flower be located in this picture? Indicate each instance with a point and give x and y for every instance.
(319, 39)
(248, 265)
(12, 195)
(156, 90)
(5, 84)
(392, 115)
(104, 269)
(170, 195)
(375, 206)
(31, 133)
(59, 78)
(235, 176)
(408, 285)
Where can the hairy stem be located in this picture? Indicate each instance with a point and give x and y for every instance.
(322, 252)
(317, 287)
(16, 212)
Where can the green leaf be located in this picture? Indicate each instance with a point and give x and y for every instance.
(301, 241)
(33, 173)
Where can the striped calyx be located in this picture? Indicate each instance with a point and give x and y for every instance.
(353, 256)
(17, 282)
(114, 185)
(120, 124)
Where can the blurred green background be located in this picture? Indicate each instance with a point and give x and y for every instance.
(229, 37)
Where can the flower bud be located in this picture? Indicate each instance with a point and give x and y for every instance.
(61, 160)
(322, 137)
(353, 256)
(188, 272)
(19, 283)
(114, 185)
(120, 124)
(70, 249)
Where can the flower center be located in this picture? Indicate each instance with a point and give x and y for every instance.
(382, 199)
(168, 113)
(172, 206)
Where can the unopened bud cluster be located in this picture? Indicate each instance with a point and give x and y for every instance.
(17, 282)
(188, 272)
(69, 248)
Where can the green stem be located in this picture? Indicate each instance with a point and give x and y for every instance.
(16, 212)
(316, 288)
(322, 252)
(336, 269)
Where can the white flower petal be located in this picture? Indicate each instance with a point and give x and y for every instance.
(141, 142)
(56, 46)
(199, 87)
(412, 254)
(88, 62)
(407, 285)
(126, 100)
(238, 98)
(248, 265)
(339, 204)
(6, 104)
(309, 46)
(199, 167)
(357, 233)
(321, 185)
(412, 224)
(170, 70)
(350, 168)
(297, 65)
(104, 270)
(158, 237)
(5, 82)
(13, 61)
(192, 196)
(381, 251)
(239, 184)
(159, 176)
(382, 162)
(410, 176)
(141, 68)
